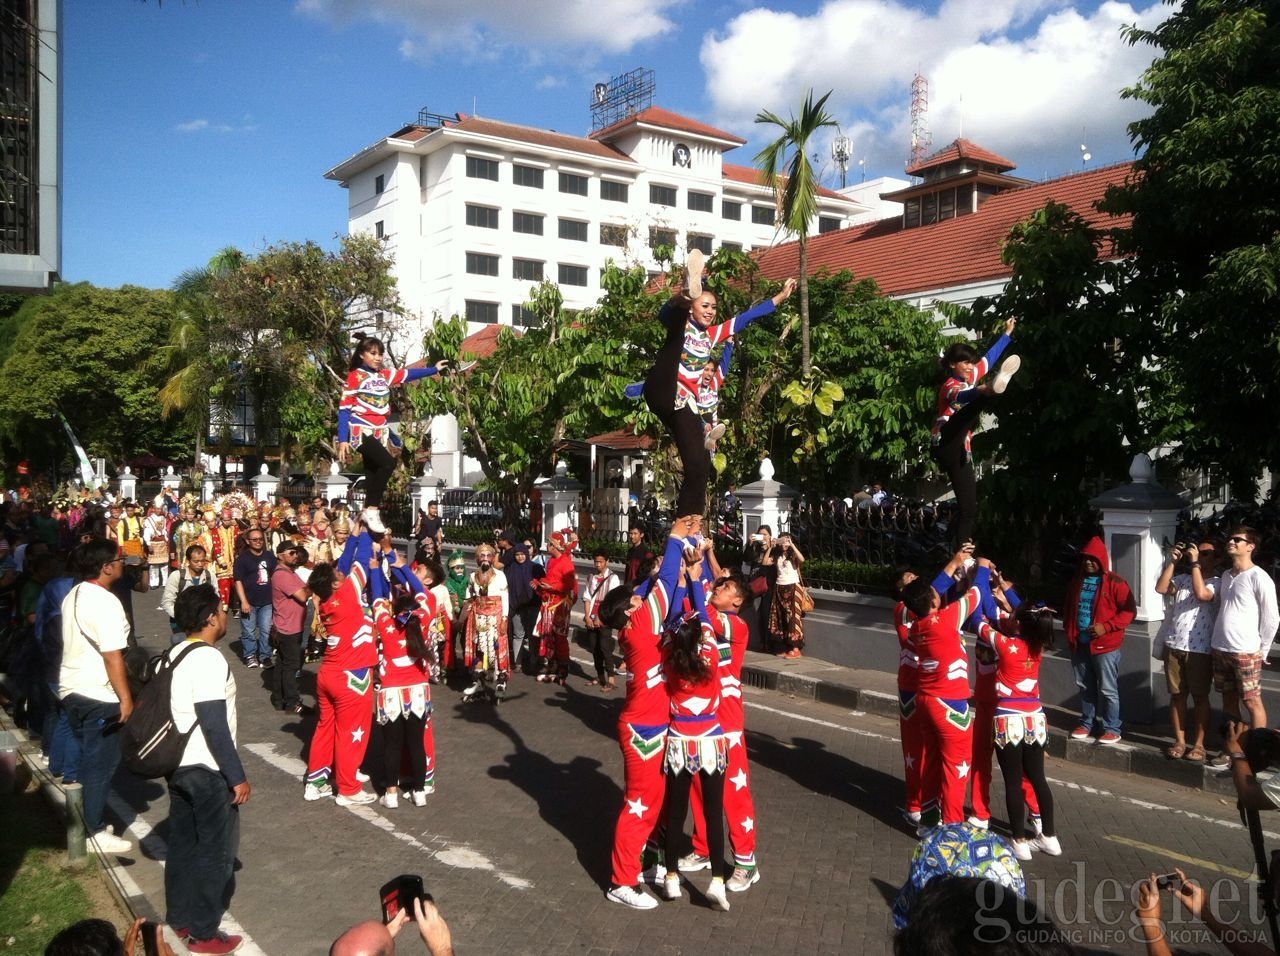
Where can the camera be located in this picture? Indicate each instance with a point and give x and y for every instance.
(1169, 881)
(399, 894)
(150, 938)
(1262, 746)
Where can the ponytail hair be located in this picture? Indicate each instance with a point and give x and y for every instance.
(1035, 626)
(414, 641)
(684, 659)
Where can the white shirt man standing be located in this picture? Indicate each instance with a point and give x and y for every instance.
(92, 684)
(1244, 630)
(195, 571)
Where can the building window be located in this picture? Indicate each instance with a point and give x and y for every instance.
(700, 242)
(612, 234)
(479, 264)
(701, 202)
(573, 275)
(614, 192)
(661, 237)
(573, 229)
(526, 222)
(486, 217)
(947, 204)
(731, 246)
(529, 270)
(731, 210)
(911, 212)
(928, 209)
(530, 176)
(828, 224)
(379, 185)
(662, 195)
(379, 230)
(523, 317)
(486, 312)
(762, 215)
(478, 168)
(573, 183)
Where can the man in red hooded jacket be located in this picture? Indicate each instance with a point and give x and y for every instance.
(1099, 608)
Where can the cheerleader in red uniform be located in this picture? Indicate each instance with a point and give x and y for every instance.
(1020, 729)
(696, 743)
(362, 419)
(404, 694)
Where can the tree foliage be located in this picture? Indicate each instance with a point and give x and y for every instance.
(86, 351)
(1204, 199)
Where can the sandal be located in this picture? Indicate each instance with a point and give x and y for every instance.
(1196, 755)
(1176, 751)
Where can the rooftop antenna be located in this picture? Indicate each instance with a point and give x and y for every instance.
(921, 138)
(1085, 156)
(621, 96)
(842, 152)
(862, 169)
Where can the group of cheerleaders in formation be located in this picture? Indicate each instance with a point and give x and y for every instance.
(682, 723)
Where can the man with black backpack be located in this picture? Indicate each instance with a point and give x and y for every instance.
(209, 786)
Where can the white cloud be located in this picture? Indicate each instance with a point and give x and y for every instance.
(197, 125)
(480, 26)
(192, 126)
(1031, 79)
(550, 82)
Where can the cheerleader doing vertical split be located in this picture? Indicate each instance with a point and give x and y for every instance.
(362, 419)
(961, 400)
(671, 387)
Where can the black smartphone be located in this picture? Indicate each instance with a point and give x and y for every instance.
(151, 938)
(1169, 881)
(399, 894)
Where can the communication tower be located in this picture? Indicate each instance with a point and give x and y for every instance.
(621, 97)
(921, 138)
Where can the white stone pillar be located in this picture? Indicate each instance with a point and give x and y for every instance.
(333, 485)
(560, 499)
(264, 485)
(766, 502)
(170, 480)
(128, 484)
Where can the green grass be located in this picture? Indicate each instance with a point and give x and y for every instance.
(39, 892)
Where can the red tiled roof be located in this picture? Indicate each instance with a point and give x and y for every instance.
(540, 137)
(657, 116)
(749, 174)
(961, 149)
(623, 440)
(949, 253)
(481, 344)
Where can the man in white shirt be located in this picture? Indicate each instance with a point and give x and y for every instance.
(210, 785)
(1187, 635)
(195, 571)
(92, 683)
(1244, 629)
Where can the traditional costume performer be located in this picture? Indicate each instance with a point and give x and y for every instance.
(558, 589)
(219, 540)
(485, 651)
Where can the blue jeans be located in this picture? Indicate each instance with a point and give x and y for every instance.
(95, 728)
(1096, 677)
(255, 626)
(204, 835)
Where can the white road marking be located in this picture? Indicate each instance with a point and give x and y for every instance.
(1068, 784)
(158, 851)
(461, 856)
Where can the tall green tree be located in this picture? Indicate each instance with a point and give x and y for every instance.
(85, 351)
(788, 171)
(1204, 198)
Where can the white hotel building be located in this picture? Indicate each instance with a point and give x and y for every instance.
(475, 211)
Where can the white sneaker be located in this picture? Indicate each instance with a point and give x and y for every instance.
(671, 886)
(693, 266)
(390, 800)
(363, 798)
(104, 841)
(693, 862)
(1007, 369)
(654, 874)
(1036, 826)
(743, 878)
(1021, 849)
(419, 798)
(373, 520)
(980, 823)
(716, 894)
(631, 896)
(317, 791)
(473, 689)
(1047, 844)
(362, 776)
(714, 434)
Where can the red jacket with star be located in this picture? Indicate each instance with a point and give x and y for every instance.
(349, 624)
(944, 663)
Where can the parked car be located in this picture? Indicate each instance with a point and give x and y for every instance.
(483, 510)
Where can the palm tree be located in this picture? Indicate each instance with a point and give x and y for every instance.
(795, 187)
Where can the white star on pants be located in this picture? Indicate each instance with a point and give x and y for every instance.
(357, 735)
(748, 824)
(637, 807)
(739, 780)
(962, 769)
(910, 761)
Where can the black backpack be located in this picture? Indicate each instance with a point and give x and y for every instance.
(150, 743)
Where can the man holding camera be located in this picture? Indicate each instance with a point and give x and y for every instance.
(1244, 630)
(1187, 633)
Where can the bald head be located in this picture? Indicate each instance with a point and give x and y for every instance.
(364, 939)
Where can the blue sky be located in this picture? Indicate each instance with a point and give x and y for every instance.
(192, 126)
